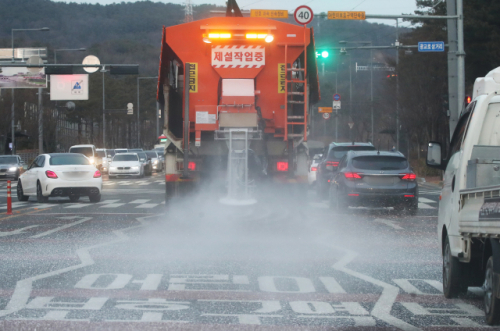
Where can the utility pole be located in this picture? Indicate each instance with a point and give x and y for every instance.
(453, 101)
(460, 56)
(371, 90)
(397, 84)
(40, 121)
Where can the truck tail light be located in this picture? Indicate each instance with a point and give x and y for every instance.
(410, 177)
(97, 174)
(352, 175)
(51, 174)
(192, 166)
(282, 166)
(314, 169)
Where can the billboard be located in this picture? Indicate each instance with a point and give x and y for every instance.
(23, 53)
(69, 87)
(22, 77)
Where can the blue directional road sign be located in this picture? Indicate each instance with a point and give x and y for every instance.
(431, 46)
(336, 97)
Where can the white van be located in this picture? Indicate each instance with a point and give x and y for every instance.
(89, 151)
(469, 208)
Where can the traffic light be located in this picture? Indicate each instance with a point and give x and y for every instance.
(323, 54)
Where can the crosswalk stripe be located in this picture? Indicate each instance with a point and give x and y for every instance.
(425, 200)
(78, 205)
(147, 205)
(425, 206)
(112, 205)
(139, 201)
(109, 201)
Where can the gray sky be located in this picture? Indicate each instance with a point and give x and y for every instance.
(390, 7)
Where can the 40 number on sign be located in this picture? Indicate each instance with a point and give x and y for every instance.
(303, 15)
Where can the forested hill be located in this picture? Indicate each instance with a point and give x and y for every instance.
(131, 32)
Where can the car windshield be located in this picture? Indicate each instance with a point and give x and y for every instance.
(151, 154)
(377, 162)
(135, 150)
(125, 157)
(117, 151)
(68, 159)
(336, 153)
(142, 155)
(110, 153)
(87, 151)
(100, 153)
(8, 160)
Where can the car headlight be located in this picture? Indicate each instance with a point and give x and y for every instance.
(155, 162)
(135, 168)
(12, 169)
(91, 160)
(112, 168)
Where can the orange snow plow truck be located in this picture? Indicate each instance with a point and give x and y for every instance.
(235, 95)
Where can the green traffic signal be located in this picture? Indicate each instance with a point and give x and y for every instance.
(323, 54)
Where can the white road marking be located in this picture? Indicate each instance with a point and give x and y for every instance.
(332, 285)
(77, 205)
(151, 317)
(18, 231)
(425, 206)
(412, 289)
(147, 205)
(46, 233)
(112, 205)
(139, 201)
(392, 224)
(22, 291)
(383, 306)
(425, 200)
(267, 284)
(108, 201)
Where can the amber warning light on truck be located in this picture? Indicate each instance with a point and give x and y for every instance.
(215, 36)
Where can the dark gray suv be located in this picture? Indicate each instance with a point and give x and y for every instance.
(374, 179)
(330, 161)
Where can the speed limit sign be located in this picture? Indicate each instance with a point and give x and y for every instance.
(303, 15)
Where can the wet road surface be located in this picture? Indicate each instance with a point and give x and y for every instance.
(130, 262)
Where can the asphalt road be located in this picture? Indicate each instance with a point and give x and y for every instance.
(132, 263)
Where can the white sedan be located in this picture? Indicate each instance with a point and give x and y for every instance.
(60, 175)
(126, 164)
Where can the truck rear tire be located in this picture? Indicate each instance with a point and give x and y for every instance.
(491, 302)
(453, 285)
(169, 191)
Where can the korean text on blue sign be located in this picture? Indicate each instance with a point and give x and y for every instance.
(431, 46)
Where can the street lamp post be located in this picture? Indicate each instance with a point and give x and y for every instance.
(12, 111)
(138, 104)
(103, 109)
